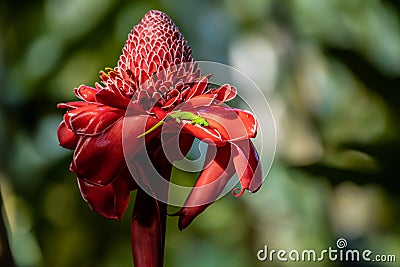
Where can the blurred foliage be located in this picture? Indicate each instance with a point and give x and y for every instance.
(330, 69)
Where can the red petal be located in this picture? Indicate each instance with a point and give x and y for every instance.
(134, 109)
(73, 105)
(75, 111)
(233, 124)
(112, 99)
(185, 143)
(133, 127)
(109, 200)
(152, 165)
(209, 185)
(247, 166)
(98, 159)
(225, 92)
(95, 120)
(198, 88)
(86, 93)
(197, 101)
(159, 113)
(143, 77)
(172, 140)
(67, 138)
(171, 101)
(206, 134)
(225, 124)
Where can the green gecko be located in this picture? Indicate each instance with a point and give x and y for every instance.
(178, 116)
(186, 115)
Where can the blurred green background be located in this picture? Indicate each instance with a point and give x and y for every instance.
(330, 70)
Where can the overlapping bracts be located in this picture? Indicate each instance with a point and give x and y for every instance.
(156, 77)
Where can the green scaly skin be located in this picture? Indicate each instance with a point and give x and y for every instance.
(178, 116)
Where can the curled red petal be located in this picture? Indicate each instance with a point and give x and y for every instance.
(209, 185)
(86, 93)
(198, 88)
(225, 92)
(110, 200)
(92, 121)
(247, 166)
(67, 138)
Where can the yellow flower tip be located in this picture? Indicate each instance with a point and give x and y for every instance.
(107, 71)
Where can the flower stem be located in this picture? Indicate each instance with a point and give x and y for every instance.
(149, 215)
(148, 231)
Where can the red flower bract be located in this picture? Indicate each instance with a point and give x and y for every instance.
(156, 82)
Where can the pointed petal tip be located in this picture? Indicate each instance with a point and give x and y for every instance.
(184, 218)
(181, 228)
(184, 222)
(188, 214)
(255, 187)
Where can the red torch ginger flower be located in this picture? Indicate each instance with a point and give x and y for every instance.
(156, 85)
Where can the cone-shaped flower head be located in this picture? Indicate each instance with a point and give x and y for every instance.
(156, 83)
